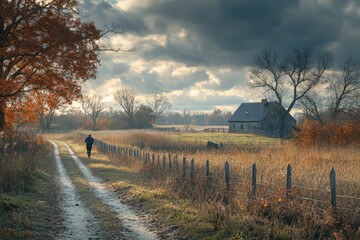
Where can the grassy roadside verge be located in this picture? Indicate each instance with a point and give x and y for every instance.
(110, 225)
(29, 214)
(176, 217)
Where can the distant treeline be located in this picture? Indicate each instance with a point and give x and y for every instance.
(111, 120)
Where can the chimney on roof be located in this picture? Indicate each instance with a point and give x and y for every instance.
(264, 100)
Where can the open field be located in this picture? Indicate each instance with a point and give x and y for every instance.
(189, 128)
(230, 139)
(309, 198)
(189, 204)
(186, 141)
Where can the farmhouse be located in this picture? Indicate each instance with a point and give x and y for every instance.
(260, 118)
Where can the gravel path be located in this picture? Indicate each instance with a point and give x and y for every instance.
(78, 222)
(134, 227)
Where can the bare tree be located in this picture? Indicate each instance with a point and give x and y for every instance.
(187, 118)
(160, 103)
(344, 88)
(126, 98)
(288, 79)
(341, 97)
(314, 106)
(93, 107)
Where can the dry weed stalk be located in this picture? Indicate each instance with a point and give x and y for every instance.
(19, 154)
(306, 207)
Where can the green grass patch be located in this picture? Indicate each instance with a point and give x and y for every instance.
(225, 138)
(110, 225)
(187, 219)
(27, 214)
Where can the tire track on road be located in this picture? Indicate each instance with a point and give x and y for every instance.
(134, 227)
(78, 221)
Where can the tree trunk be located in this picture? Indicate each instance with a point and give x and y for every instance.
(94, 125)
(2, 100)
(2, 113)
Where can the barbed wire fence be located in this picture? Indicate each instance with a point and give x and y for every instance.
(205, 184)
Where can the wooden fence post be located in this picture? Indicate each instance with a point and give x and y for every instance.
(227, 182)
(227, 176)
(253, 180)
(288, 180)
(192, 170)
(170, 163)
(333, 187)
(176, 163)
(207, 168)
(164, 164)
(184, 167)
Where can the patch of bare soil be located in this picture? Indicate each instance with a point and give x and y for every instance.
(134, 226)
(75, 221)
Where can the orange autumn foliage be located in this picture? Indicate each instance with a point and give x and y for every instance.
(44, 45)
(330, 134)
(21, 111)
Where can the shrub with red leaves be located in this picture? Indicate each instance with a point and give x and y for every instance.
(330, 134)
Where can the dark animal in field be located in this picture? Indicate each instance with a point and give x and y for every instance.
(214, 145)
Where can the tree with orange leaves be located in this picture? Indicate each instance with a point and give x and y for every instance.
(48, 104)
(44, 46)
(21, 111)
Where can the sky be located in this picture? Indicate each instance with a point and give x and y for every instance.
(199, 52)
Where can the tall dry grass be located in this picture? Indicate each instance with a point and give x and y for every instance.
(144, 140)
(306, 208)
(19, 158)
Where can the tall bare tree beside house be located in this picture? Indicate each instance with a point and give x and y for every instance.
(126, 98)
(288, 78)
(341, 96)
(314, 107)
(93, 107)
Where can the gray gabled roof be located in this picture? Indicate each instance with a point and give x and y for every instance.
(251, 112)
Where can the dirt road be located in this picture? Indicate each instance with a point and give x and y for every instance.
(79, 222)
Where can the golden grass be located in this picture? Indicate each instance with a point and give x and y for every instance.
(19, 158)
(310, 167)
(26, 210)
(308, 209)
(187, 141)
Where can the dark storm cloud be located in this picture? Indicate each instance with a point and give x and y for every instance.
(235, 30)
(212, 35)
(232, 32)
(240, 29)
(104, 14)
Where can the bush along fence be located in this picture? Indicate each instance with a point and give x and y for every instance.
(222, 185)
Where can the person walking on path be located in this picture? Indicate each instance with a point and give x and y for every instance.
(89, 142)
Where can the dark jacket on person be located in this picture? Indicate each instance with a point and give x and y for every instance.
(89, 141)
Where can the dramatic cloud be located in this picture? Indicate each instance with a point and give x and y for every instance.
(196, 51)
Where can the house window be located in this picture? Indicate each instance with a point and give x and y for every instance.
(234, 126)
(241, 126)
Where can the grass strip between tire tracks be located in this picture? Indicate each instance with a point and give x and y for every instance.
(110, 225)
(175, 217)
